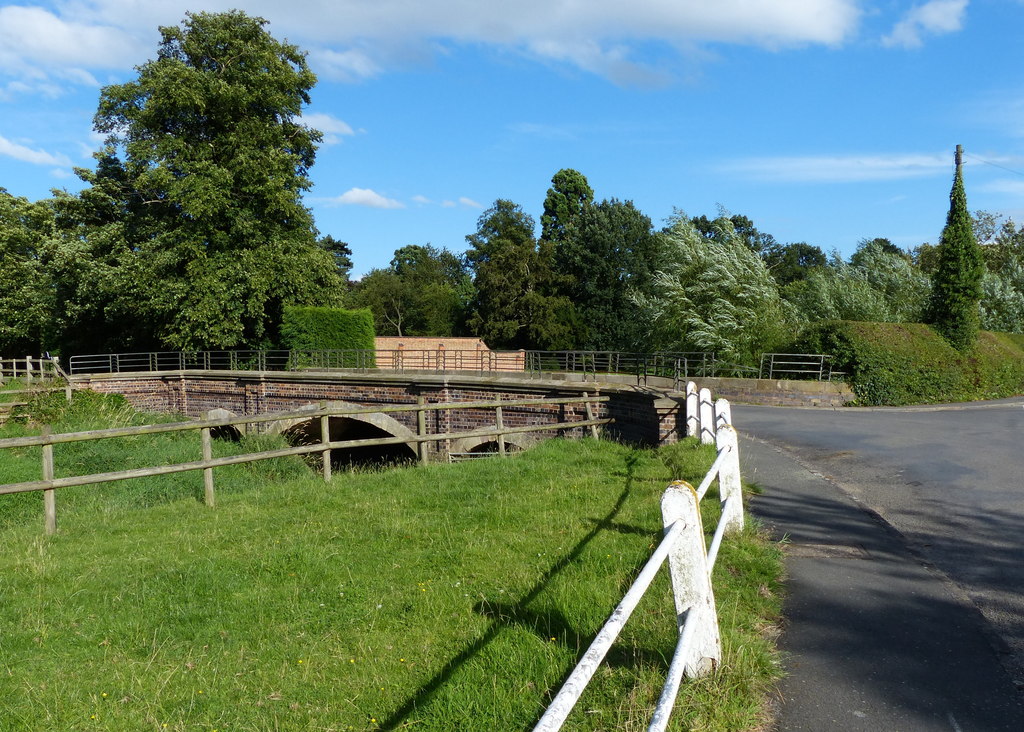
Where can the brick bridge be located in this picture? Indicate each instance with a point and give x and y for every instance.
(642, 414)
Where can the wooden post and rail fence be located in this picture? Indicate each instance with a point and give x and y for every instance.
(691, 560)
(49, 483)
(34, 374)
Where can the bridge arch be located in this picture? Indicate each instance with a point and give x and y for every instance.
(489, 443)
(227, 433)
(307, 430)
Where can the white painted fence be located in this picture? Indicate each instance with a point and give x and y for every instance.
(691, 561)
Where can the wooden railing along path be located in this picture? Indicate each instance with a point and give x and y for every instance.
(34, 374)
(49, 483)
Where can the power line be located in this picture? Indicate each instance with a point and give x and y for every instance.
(994, 165)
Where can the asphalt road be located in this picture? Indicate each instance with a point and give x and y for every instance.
(949, 479)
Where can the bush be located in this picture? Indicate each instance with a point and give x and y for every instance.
(909, 363)
(305, 328)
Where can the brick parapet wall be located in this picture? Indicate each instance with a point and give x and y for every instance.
(641, 415)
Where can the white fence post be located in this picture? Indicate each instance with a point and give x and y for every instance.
(691, 581)
(730, 486)
(692, 409)
(707, 418)
(723, 413)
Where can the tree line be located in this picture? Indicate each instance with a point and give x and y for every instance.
(600, 276)
(190, 233)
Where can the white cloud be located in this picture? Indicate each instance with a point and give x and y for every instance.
(932, 18)
(839, 168)
(332, 127)
(365, 197)
(348, 65)
(28, 155)
(35, 42)
(355, 39)
(447, 203)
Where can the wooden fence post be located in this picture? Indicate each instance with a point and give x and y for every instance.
(421, 428)
(207, 472)
(692, 410)
(49, 495)
(28, 370)
(325, 437)
(590, 417)
(730, 486)
(707, 418)
(691, 583)
(499, 420)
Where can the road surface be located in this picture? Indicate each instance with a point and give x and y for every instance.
(950, 479)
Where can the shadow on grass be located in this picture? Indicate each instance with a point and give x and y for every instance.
(550, 624)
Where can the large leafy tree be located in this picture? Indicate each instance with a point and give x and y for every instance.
(568, 197)
(713, 293)
(26, 297)
(512, 274)
(424, 291)
(792, 262)
(205, 165)
(956, 284)
(341, 253)
(875, 285)
(742, 227)
(1002, 301)
(610, 256)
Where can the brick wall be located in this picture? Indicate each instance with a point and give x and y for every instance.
(447, 354)
(644, 416)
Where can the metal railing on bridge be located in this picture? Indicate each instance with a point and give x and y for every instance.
(532, 363)
(677, 366)
(816, 366)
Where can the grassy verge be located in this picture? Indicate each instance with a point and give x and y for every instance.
(440, 598)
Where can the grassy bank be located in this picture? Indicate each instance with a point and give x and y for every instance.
(909, 363)
(440, 598)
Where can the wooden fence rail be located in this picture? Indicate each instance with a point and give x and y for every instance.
(30, 369)
(50, 483)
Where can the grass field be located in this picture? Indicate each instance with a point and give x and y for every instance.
(451, 597)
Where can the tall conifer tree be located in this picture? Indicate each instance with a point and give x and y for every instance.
(956, 284)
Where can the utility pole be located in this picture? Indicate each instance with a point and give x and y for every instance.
(959, 158)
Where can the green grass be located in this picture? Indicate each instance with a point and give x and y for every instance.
(909, 363)
(451, 597)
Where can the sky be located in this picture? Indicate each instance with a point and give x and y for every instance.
(824, 121)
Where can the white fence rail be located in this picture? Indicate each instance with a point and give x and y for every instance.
(691, 562)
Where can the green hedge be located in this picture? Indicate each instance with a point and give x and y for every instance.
(307, 328)
(909, 363)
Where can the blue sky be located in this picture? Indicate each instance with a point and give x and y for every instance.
(825, 121)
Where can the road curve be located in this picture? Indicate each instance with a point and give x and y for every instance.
(949, 478)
